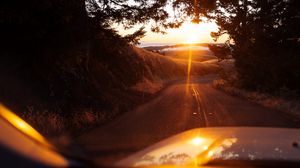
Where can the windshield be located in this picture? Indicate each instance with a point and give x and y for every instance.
(103, 80)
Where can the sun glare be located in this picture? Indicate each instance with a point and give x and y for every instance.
(197, 33)
(197, 141)
(191, 40)
(188, 33)
(191, 33)
(21, 125)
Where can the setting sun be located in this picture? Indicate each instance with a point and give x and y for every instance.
(188, 33)
(191, 39)
(197, 33)
(191, 33)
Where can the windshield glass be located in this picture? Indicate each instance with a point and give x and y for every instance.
(112, 81)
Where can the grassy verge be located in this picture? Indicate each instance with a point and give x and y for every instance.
(285, 100)
(53, 124)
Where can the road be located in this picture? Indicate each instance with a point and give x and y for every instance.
(178, 108)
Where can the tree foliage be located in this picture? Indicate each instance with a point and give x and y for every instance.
(136, 36)
(265, 35)
(221, 51)
(128, 13)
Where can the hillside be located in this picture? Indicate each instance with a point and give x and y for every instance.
(61, 67)
(97, 86)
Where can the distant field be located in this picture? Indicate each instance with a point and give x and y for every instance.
(161, 47)
(197, 55)
(199, 52)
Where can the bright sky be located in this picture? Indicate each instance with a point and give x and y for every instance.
(187, 33)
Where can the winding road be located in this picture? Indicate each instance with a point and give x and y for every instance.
(177, 108)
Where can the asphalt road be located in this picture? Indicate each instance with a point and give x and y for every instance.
(178, 108)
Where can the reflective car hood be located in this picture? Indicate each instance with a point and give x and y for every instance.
(22, 146)
(203, 145)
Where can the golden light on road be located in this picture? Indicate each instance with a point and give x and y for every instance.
(21, 125)
(189, 67)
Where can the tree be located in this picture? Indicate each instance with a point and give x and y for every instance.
(136, 36)
(129, 13)
(221, 51)
(265, 37)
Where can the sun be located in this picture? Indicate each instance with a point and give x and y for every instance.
(191, 33)
(188, 33)
(191, 39)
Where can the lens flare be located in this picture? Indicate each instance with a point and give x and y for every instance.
(192, 39)
(22, 125)
(197, 141)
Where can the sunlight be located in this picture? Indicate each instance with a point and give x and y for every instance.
(189, 67)
(197, 33)
(197, 141)
(188, 33)
(210, 153)
(191, 39)
(22, 125)
(191, 33)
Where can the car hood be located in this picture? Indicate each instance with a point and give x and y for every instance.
(201, 146)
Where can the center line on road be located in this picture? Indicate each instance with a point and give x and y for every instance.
(198, 100)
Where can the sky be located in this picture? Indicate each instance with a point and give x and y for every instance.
(187, 33)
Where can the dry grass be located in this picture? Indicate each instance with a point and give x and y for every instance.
(282, 102)
(52, 124)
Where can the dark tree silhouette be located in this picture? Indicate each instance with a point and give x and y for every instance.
(265, 37)
(221, 51)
